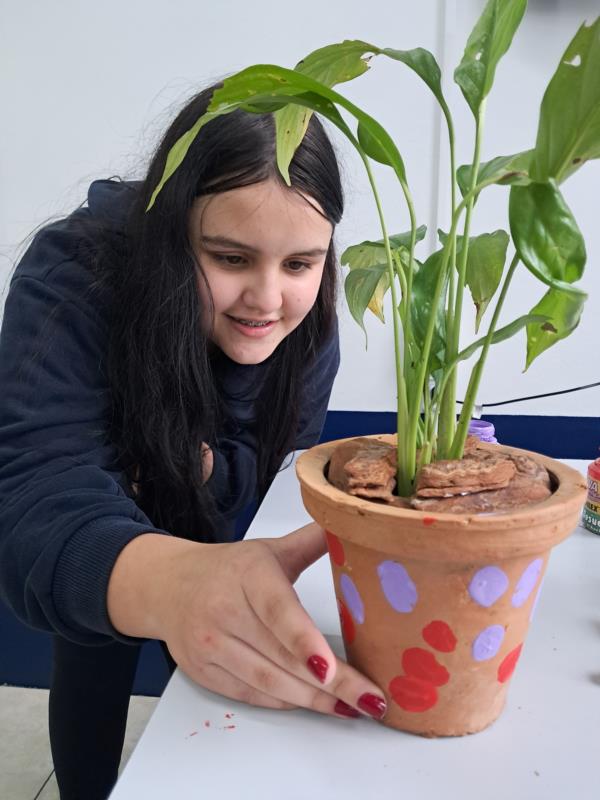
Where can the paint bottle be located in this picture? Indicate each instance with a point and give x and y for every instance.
(591, 510)
(483, 430)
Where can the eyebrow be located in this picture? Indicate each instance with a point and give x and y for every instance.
(223, 241)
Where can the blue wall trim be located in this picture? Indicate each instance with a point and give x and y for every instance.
(25, 654)
(559, 437)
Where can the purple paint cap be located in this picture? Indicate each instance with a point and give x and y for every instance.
(483, 430)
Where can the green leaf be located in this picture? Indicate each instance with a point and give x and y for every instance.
(490, 39)
(372, 254)
(367, 253)
(359, 286)
(423, 290)
(330, 65)
(502, 169)
(546, 235)
(485, 264)
(424, 64)
(337, 63)
(501, 334)
(178, 152)
(563, 311)
(270, 82)
(569, 126)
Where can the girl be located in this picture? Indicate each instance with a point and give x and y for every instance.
(156, 368)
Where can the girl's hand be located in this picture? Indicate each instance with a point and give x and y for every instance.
(233, 623)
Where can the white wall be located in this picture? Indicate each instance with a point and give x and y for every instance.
(88, 87)
(511, 126)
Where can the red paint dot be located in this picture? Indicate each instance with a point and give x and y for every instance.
(336, 549)
(428, 520)
(439, 635)
(413, 694)
(422, 664)
(348, 627)
(507, 667)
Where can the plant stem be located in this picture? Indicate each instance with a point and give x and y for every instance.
(403, 481)
(408, 292)
(463, 424)
(448, 399)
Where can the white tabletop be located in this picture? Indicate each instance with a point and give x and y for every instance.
(544, 746)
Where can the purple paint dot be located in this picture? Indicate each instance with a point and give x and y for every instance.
(398, 588)
(526, 582)
(488, 642)
(488, 585)
(352, 598)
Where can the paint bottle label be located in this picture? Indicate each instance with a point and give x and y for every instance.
(591, 510)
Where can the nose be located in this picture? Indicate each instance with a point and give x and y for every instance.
(263, 291)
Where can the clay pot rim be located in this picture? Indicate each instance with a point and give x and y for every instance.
(569, 493)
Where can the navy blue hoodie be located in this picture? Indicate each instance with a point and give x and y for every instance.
(66, 510)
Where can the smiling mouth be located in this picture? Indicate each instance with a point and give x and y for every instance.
(253, 323)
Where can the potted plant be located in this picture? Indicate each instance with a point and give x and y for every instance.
(436, 591)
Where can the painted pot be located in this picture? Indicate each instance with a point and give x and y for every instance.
(435, 607)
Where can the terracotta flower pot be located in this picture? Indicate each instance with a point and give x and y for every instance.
(435, 607)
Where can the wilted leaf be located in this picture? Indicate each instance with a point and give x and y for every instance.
(360, 285)
(485, 265)
(368, 254)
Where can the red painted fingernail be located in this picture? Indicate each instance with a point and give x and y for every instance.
(345, 710)
(318, 666)
(373, 705)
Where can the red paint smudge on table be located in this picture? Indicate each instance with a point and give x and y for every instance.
(413, 694)
(421, 664)
(229, 727)
(336, 549)
(507, 667)
(439, 635)
(207, 723)
(193, 733)
(229, 716)
(428, 520)
(348, 627)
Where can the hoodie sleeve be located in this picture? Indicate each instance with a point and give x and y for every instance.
(64, 512)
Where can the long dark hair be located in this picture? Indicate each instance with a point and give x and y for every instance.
(165, 400)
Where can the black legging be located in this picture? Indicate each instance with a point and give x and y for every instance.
(89, 700)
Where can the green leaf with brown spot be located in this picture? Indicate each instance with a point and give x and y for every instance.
(563, 311)
(569, 126)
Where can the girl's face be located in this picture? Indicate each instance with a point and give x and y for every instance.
(262, 250)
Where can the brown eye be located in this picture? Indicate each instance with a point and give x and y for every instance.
(233, 261)
(297, 266)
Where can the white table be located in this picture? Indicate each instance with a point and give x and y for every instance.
(545, 745)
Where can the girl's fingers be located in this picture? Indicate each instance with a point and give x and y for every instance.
(219, 680)
(276, 605)
(261, 678)
(273, 600)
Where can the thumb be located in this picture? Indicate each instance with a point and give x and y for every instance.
(299, 549)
